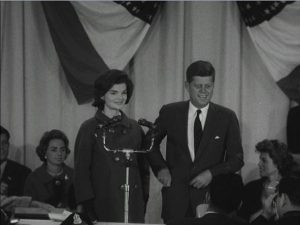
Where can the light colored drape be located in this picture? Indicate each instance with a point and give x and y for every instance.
(114, 32)
(277, 41)
(35, 96)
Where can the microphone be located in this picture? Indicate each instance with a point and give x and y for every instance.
(146, 123)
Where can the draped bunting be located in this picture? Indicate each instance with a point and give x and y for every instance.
(290, 85)
(35, 96)
(81, 63)
(256, 12)
(145, 10)
(275, 30)
(91, 37)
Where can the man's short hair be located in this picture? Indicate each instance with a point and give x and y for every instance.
(226, 192)
(200, 68)
(4, 131)
(290, 186)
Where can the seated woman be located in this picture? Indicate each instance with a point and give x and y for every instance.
(52, 182)
(274, 163)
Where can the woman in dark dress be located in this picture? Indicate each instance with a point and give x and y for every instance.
(274, 163)
(52, 182)
(99, 174)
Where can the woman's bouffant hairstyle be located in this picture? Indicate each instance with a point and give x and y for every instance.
(278, 152)
(106, 81)
(41, 149)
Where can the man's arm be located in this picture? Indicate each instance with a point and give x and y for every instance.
(155, 158)
(233, 159)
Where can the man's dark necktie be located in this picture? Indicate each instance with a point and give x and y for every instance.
(197, 131)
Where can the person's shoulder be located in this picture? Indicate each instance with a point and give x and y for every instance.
(68, 169)
(40, 175)
(38, 171)
(88, 125)
(254, 184)
(89, 122)
(18, 167)
(130, 120)
(175, 105)
(225, 111)
(221, 108)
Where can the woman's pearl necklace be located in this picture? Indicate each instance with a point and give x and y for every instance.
(55, 174)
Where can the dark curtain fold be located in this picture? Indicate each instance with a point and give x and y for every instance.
(144, 10)
(290, 85)
(80, 61)
(256, 12)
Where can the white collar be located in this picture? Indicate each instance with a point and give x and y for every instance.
(193, 109)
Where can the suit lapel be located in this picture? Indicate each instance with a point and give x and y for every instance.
(210, 124)
(182, 118)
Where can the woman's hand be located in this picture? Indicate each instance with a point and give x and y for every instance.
(268, 206)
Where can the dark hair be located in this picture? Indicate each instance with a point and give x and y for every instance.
(226, 192)
(278, 153)
(106, 81)
(41, 149)
(290, 186)
(4, 131)
(201, 69)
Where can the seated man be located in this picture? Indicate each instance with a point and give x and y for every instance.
(284, 205)
(224, 198)
(12, 174)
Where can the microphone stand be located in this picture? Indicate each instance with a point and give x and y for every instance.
(128, 152)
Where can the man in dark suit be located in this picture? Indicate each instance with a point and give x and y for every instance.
(200, 144)
(224, 198)
(283, 205)
(12, 174)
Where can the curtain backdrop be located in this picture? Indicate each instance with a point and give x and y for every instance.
(35, 96)
(277, 41)
(91, 37)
